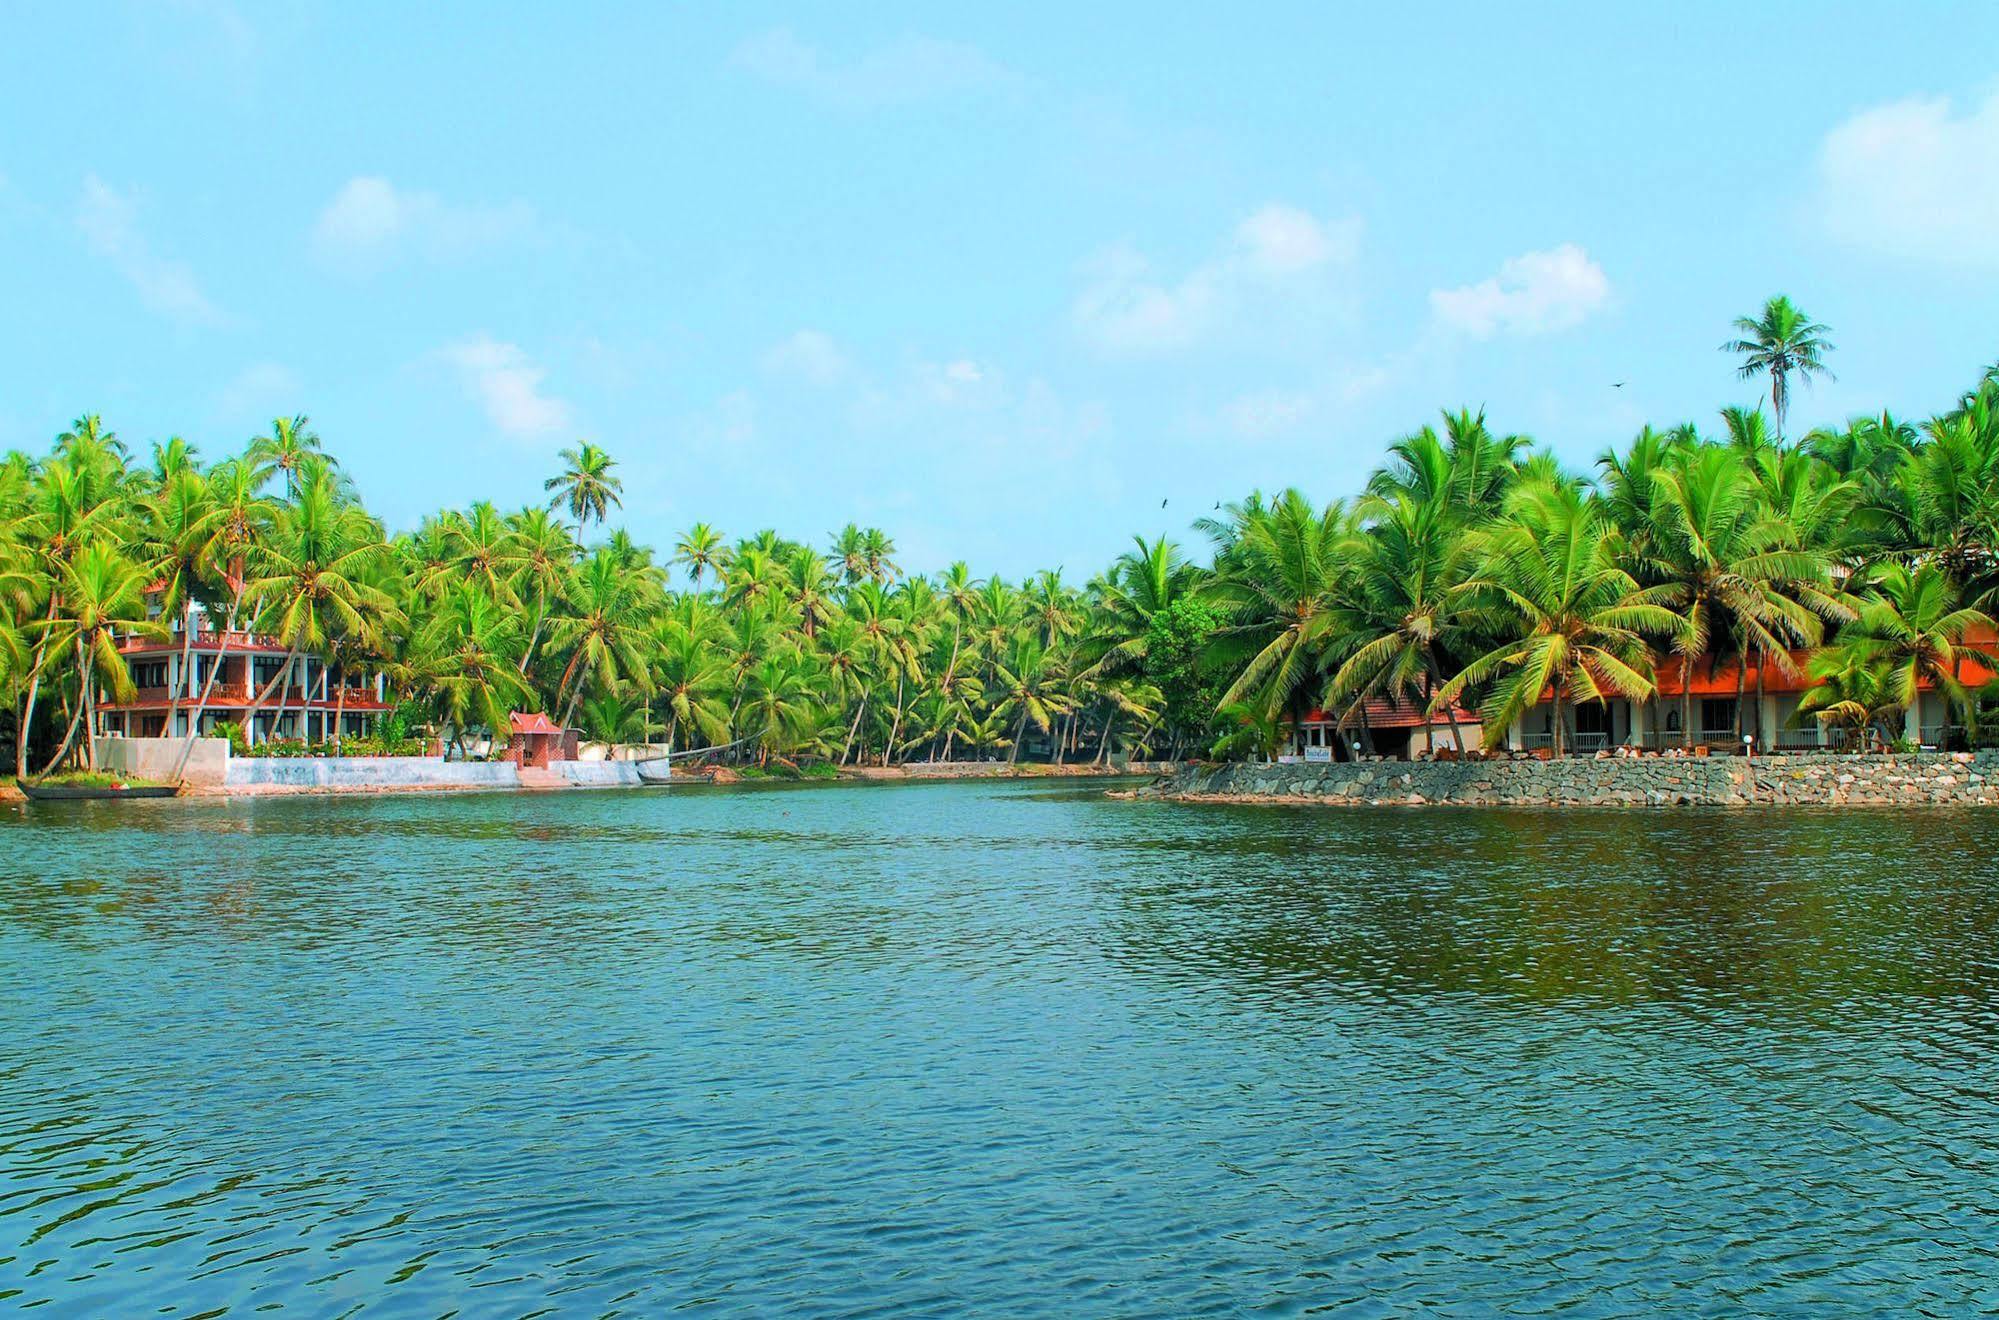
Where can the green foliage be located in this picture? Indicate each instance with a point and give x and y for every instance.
(1176, 643)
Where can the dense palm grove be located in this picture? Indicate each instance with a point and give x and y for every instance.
(1473, 573)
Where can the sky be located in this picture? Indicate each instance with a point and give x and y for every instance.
(1014, 284)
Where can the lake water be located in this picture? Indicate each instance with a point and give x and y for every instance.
(994, 1048)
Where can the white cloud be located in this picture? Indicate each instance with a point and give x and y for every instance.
(502, 380)
(1276, 252)
(110, 223)
(370, 223)
(1913, 179)
(1534, 293)
(911, 68)
(808, 355)
(263, 388)
(1267, 413)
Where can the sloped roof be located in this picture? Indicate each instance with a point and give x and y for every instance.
(518, 722)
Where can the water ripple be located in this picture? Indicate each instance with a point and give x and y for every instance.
(1007, 1049)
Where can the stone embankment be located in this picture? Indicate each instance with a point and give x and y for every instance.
(1813, 779)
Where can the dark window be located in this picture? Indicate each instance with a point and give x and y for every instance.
(1717, 713)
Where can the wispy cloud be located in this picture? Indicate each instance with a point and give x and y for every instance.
(911, 68)
(1533, 293)
(812, 356)
(109, 221)
(260, 390)
(507, 385)
(370, 223)
(1913, 178)
(1277, 252)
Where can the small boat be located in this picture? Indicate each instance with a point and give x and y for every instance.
(81, 793)
(656, 771)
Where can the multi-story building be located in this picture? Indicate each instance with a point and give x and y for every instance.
(314, 700)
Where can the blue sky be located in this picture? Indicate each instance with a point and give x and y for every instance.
(999, 282)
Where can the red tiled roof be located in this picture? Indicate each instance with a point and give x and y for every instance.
(537, 722)
(1385, 714)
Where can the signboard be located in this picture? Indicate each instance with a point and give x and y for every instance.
(1318, 754)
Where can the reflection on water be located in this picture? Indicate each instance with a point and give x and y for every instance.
(1001, 1048)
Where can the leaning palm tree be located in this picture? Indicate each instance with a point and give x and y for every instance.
(1779, 343)
(585, 486)
(1575, 622)
(102, 594)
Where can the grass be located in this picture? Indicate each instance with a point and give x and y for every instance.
(95, 779)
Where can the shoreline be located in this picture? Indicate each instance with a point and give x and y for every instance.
(727, 777)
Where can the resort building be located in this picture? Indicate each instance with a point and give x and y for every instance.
(1724, 702)
(1399, 730)
(314, 700)
(1709, 692)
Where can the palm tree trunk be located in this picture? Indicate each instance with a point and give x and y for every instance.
(69, 736)
(34, 687)
(1741, 682)
(1561, 720)
(895, 729)
(257, 702)
(853, 729)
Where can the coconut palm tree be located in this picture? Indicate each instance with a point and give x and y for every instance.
(585, 486)
(1914, 624)
(102, 595)
(1780, 342)
(600, 624)
(288, 449)
(312, 580)
(1574, 621)
(1289, 604)
(466, 657)
(700, 550)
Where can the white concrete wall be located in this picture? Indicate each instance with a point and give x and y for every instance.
(604, 774)
(155, 758)
(369, 772)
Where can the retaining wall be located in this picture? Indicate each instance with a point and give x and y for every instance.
(157, 758)
(1822, 779)
(369, 772)
(598, 774)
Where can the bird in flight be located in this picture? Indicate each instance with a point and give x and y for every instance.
(1162, 504)
(1617, 384)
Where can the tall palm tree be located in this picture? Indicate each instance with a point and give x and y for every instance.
(467, 657)
(700, 550)
(585, 485)
(1780, 342)
(312, 580)
(288, 449)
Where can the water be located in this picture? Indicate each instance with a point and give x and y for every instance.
(993, 1048)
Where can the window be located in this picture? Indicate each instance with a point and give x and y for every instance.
(1593, 717)
(1717, 714)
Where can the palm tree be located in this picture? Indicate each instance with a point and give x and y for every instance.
(585, 486)
(1915, 625)
(1574, 621)
(289, 448)
(466, 656)
(1407, 609)
(102, 595)
(778, 706)
(600, 623)
(700, 551)
(1287, 601)
(1029, 681)
(1718, 558)
(312, 581)
(1778, 343)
